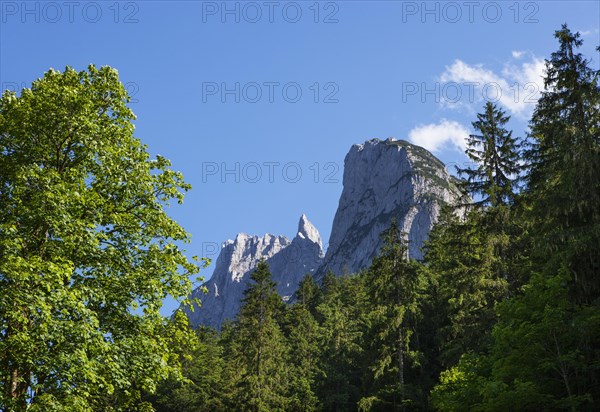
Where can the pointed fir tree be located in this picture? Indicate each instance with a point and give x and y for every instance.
(261, 348)
(308, 293)
(341, 317)
(495, 153)
(303, 334)
(492, 183)
(564, 176)
(393, 286)
(462, 268)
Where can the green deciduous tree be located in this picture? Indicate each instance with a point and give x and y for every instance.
(87, 252)
(201, 390)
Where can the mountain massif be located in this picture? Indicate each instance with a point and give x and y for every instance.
(383, 179)
(288, 260)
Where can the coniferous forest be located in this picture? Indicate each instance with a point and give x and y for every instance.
(502, 314)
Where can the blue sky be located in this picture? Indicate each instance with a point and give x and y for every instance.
(257, 103)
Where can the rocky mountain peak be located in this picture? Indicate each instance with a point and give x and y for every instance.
(306, 230)
(289, 261)
(384, 179)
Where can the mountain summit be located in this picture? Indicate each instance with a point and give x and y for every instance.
(383, 179)
(306, 230)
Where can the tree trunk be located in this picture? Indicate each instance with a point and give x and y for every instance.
(401, 362)
(563, 371)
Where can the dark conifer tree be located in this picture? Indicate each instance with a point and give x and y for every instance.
(308, 293)
(261, 351)
(495, 154)
(543, 353)
(564, 158)
(303, 334)
(393, 287)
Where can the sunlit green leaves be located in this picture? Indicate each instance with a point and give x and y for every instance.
(84, 238)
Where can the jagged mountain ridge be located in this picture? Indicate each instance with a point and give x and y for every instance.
(382, 179)
(289, 261)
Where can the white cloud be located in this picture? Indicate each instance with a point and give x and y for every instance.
(517, 54)
(517, 88)
(435, 137)
(585, 33)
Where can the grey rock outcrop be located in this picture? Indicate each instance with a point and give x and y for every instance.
(382, 180)
(289, 261)
(385, 179)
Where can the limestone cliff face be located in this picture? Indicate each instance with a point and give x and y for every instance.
(385, 179)
(382, 180)
(288, 260)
